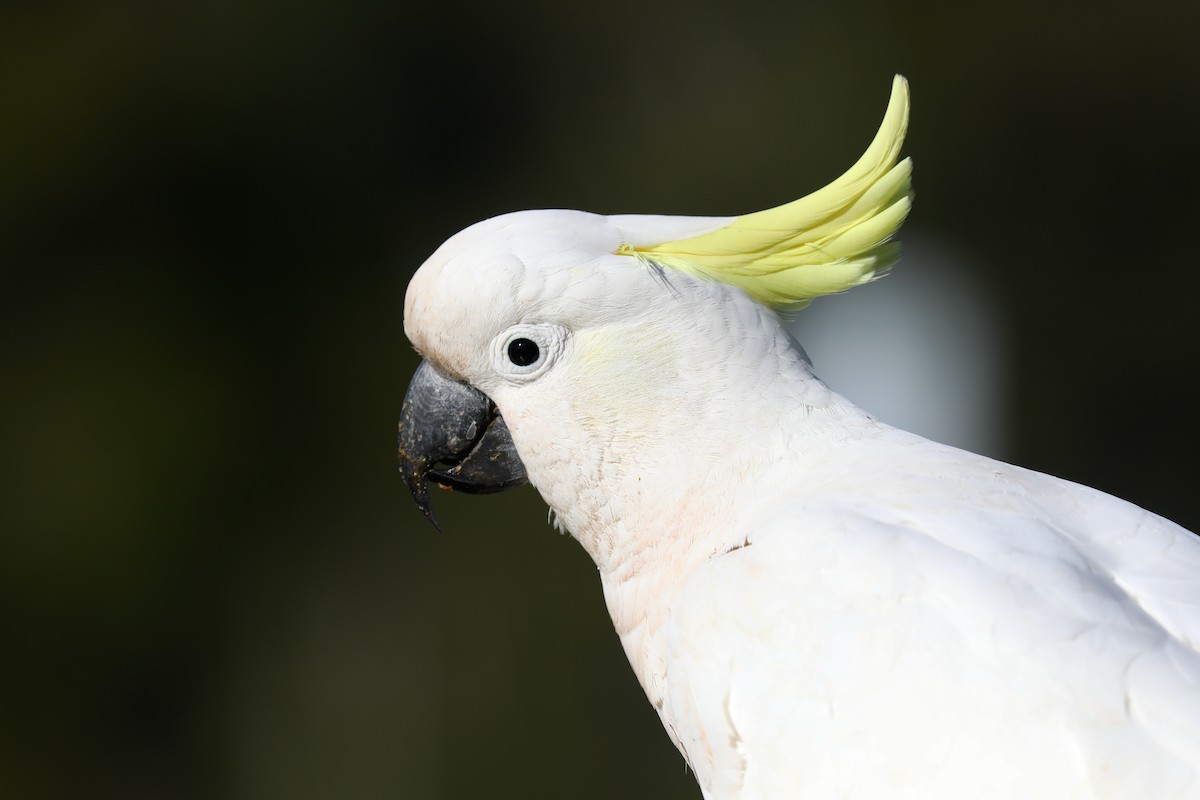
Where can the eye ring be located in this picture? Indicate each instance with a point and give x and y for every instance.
(523, 352)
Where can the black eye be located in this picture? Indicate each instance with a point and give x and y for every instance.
(523, 352)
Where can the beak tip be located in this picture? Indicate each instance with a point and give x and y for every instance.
(427, 510)
(419, 489)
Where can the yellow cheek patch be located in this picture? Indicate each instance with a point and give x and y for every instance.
(829, 241)
(615, 397)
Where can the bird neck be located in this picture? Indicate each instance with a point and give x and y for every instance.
(663, 453)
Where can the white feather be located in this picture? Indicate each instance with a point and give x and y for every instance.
(972, 630)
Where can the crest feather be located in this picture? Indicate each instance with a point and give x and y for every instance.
(829, 241)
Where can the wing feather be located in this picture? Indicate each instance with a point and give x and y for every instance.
(939, 649)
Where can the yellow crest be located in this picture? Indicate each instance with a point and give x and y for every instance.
(829, 241)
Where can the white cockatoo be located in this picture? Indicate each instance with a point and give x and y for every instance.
(818, 605)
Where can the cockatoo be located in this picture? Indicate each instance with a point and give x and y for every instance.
(817, 604)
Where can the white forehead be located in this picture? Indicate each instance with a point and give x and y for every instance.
(528, 254)
(547, 265)
(501, 270)
(534, 234)
(493, 266)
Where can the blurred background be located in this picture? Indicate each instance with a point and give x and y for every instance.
(212, 582)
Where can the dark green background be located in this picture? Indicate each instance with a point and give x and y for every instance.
(212, 583)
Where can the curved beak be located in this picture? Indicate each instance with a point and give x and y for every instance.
(447, 423)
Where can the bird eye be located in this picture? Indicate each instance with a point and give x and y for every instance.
(523, 352)
(526, 350)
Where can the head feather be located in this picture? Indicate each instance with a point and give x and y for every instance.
(829, 241)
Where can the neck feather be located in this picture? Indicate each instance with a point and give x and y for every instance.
(648, 474)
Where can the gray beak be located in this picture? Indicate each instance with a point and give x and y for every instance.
(447, 423)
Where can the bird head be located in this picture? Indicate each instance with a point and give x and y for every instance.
(562, 343)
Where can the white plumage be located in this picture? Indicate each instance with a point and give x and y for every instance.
(818, 605)
(972, 629)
